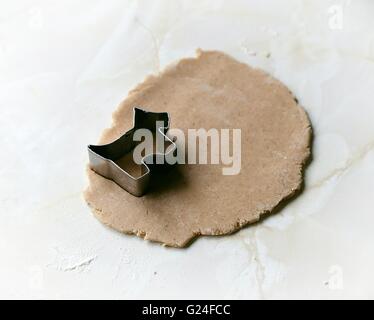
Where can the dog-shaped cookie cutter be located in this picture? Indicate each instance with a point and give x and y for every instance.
(102, 158)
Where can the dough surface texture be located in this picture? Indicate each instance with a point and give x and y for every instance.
(210, 91)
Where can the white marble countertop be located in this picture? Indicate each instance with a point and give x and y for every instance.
(65, 66)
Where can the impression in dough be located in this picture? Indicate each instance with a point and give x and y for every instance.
(210, 91)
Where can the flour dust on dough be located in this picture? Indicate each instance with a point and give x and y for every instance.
(210, 91)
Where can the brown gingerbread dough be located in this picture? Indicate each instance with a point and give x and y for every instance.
(210, 91)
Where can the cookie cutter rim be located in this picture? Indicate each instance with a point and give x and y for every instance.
(102, 157)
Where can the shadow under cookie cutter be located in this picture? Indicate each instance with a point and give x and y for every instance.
(103, 158)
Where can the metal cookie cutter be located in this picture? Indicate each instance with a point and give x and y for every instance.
(103, 158)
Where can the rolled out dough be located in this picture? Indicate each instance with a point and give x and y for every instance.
(210, 91)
